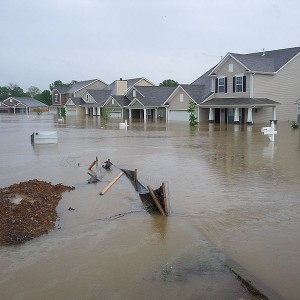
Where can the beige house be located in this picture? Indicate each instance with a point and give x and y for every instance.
(255, 87)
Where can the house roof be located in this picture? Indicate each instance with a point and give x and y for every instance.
(80, 85)
(154, 95)
(242, 102)
(267, 61)
(198, 92)
(77, 100)
(28, 101)
(100, 96)
(122, 100)
(62, 89)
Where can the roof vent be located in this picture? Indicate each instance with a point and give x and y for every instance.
(121, 79)
(263, 53)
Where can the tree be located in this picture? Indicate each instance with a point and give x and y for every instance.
(192, 111)
(16, 91)
(58, 83)
(44, 97)
(33, 90)
(169, 82)
(4, 93)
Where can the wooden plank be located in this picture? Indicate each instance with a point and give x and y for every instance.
(165, 198)
(94, 162)
(110, 184)
(155, 200)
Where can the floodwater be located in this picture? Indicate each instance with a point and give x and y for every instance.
(234, 196)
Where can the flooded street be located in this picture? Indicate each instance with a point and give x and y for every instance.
(234, 196)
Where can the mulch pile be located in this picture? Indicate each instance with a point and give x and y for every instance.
(28, 210)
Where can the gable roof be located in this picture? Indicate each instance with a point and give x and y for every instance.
(100, 96)
(262, 62)
(80, 85)
(76, 100)
(122, 100)
(28, 101)
(154, 95)
(198, 92)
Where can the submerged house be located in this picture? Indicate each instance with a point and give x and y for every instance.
(21, 105)
(69, 97)
(255, 87)
(241, 88)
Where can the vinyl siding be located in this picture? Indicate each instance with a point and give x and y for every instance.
(238, 69)
(144, 82)
(109, 104)
(98, 85)
(283, 87)
(174, 102)
(121, 87)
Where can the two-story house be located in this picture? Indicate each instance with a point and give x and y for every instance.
(255, 87)
(72, 94)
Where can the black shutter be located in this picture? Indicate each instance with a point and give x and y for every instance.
(233, 87)
(216, 85)
(225, 84)
(244, 83)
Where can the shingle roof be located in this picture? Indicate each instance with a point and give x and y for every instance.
(154, 95)
(198, 92)
(80, 85)
(271, 61)
(122, 100)
(100, 96)
(223, 102)
(77, 101)
(30, 102)
(63, 89)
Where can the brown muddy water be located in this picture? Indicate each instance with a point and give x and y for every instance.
(233, 195)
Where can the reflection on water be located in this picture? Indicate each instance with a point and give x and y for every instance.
(228, 184)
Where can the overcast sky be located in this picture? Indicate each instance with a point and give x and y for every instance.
(47, 40)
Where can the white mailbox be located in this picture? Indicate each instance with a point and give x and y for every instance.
(270, 131)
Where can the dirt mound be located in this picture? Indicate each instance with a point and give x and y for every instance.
(28, 210)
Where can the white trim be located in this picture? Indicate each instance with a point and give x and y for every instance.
(134, 101)
(111, 97)
(175, 91)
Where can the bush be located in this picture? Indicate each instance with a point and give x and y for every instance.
(294, 125)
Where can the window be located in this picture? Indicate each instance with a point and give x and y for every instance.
(112, 101)
(87, 98)
(221, 85)
(239, 83)
(55, 97)
(181, 97)
(134, 93)
(230, 68)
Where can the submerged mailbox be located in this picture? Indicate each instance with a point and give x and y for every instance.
(270, 131)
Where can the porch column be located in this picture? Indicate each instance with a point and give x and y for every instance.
(236, 115)
(94, 111)
(122, 114)
(167, 114)
(86, 111)
(145, 114)
(155, 114)
(211, 115)
(98, 111)
(249, 116)
(274, 117)
(130, 114)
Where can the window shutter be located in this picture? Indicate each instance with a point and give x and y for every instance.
(233, 87)
(216, 85)
(244, 83)
(225, 84)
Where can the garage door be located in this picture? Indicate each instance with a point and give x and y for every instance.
(178, 115)
(115, 114)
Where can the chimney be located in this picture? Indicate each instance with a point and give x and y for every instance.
(121, 87)
(263, 53)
